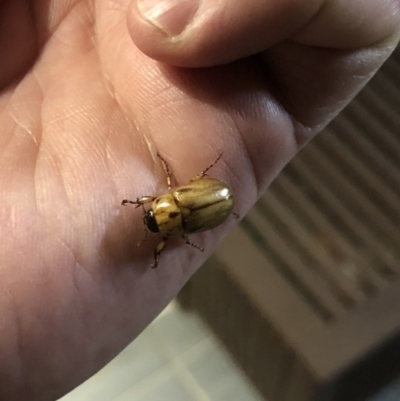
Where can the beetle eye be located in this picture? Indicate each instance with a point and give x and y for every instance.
(150, 221)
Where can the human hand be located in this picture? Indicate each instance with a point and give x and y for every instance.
(83, 113)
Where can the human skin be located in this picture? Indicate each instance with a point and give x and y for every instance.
(90, 91)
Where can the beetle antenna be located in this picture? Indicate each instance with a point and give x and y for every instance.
(167, 170)
(204, 172)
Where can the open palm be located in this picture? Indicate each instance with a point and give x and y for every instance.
(83, 114)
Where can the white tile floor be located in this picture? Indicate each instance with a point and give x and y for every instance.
(175, 359)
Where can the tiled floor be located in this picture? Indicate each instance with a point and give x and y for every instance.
(175, 359)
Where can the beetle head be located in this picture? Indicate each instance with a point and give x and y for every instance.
(150, 221)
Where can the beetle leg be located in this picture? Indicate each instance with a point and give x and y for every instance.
(146, 232)
(204, 172)
(139, 201)
(187, 241)
(167, 171)
(160, 247)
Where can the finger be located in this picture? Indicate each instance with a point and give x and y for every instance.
(343, 24)
(201, 33)
(197, 33)
(18, 45)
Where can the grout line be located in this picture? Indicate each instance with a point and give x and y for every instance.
(196, 350)
(179, 368)
(175, 367)
(160, 374)
(189, 382)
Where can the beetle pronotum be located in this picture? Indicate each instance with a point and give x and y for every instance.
(200, 205)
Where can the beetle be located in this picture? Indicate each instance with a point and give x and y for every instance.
(202, 204)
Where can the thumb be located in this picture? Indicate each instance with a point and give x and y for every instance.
(199, 33)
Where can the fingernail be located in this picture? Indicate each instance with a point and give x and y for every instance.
(171, 16)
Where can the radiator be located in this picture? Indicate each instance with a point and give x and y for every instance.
(305, 293)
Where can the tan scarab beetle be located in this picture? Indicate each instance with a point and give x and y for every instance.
(200, 205)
